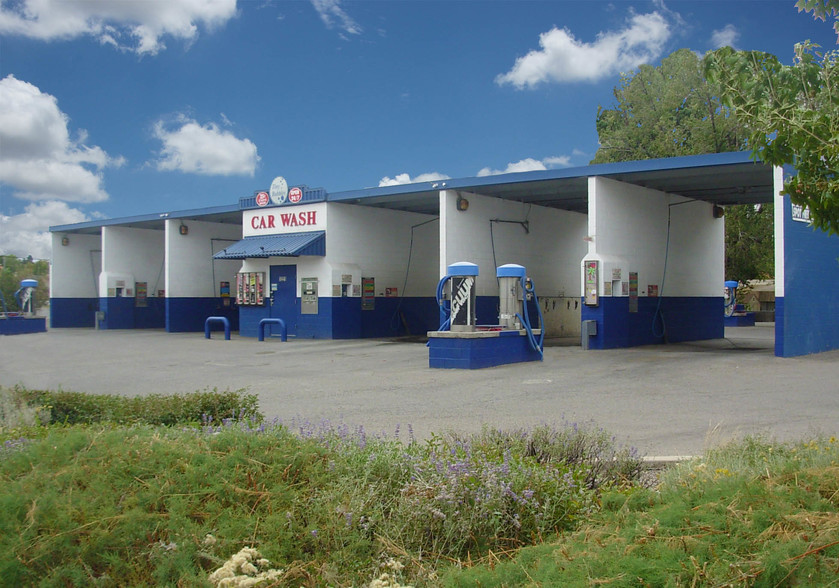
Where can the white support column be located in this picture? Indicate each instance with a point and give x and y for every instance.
(778, 181)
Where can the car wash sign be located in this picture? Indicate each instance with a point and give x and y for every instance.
(289, 219)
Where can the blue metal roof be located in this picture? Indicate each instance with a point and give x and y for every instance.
(230, 214)
(290, 245)
(721, 178)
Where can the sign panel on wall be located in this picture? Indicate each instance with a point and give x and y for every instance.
(140, 301)
(368, 293)
(800, 213)
(279, 190)
(592, 276)
(286, 220)
(309, 296)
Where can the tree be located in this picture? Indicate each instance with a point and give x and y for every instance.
(673, 110)
(793, 114)
(666, 111)
(749, 243)
(14, 269)
(821, 9)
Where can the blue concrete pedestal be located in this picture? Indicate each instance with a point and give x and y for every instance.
(479, 349)
(20, 325)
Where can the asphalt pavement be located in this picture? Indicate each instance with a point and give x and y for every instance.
(664, 400)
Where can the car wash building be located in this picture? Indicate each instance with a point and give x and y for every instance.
(619, 254)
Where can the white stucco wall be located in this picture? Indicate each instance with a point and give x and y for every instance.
(376, 243)
(75, 267)
(191, 270)
(550, 250)
(628, 232)
(361, 241)
(307, 267)
(131, 255)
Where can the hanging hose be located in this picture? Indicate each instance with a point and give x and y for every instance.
(444, 311)
(537, 345)
(658, 315)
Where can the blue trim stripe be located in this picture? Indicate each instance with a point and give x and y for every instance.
(309, 195)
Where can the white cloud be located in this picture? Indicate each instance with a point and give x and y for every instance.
(206, 150)
(563, 58)
(28, 233)
(725, 37)
(39, 160)
(333, 15)
(526, 165)
(134, 25)
(406, 179)
(559, 161)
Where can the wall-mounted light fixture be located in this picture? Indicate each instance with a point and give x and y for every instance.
(65, 240)
(184, 229)
(462, 203)
(719, 212)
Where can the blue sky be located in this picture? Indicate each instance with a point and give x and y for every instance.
(117, 108)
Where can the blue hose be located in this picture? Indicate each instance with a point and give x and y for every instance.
(444, 312)
(537, 345)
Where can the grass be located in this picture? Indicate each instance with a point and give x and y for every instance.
(752, 513)
(247, 502)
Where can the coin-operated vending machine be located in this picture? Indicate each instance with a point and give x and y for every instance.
(250, 288)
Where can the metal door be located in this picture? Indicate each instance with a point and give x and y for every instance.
(284, 296)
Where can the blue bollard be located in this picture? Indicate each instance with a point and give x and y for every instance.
(272, 321)
(217, 319)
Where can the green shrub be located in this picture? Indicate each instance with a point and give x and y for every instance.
(141, 505)
(154, 409)
(751, 513)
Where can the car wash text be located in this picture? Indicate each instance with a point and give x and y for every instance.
(286, 219)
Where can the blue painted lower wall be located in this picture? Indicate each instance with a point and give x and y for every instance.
(118, 313)
(807, 318)
(343, 318)
(249, 317)
(122, 313)
(658, 320)
(187, 315)
(396, 317)
(73, 313)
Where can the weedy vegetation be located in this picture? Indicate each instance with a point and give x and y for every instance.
(751, 513)
(225, 498)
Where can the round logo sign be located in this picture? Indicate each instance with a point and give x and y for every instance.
(262, 199)
(295, 195)
(279, 190)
